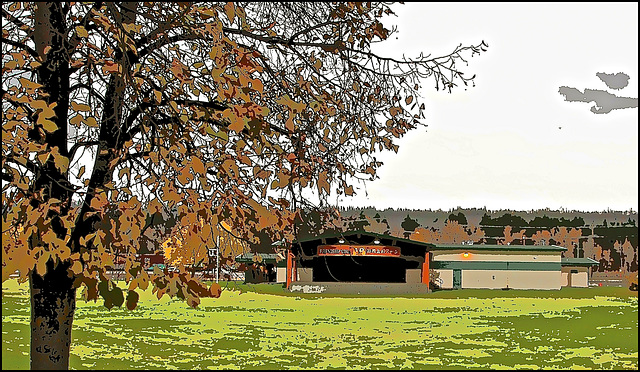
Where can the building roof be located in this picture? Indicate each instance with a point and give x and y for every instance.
(360, 237)
(266, 257)
(499, 247)
(350, 234)
(578, 262)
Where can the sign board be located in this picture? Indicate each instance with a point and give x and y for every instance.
(358, 250)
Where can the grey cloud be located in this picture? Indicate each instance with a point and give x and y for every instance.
(605, 101)
(617, 81)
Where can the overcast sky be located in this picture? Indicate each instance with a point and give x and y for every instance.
(513, 141)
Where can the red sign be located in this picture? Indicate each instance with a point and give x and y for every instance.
(358, 250)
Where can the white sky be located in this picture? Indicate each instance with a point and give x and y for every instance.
(498, 145)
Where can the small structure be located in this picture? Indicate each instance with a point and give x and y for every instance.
(268, 268)
(576, 271)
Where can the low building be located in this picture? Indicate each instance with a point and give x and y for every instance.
(576, 271)
(366, 262)
(497, 266)
(263, 267)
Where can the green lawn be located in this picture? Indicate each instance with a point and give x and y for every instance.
(264, 328)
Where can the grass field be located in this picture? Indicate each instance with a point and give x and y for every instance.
(263, 328)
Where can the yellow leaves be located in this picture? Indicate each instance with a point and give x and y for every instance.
(29, 85)
(61, 162)
(230, 10)
(91, 122)
(41, 261)
(214, 133)
(291, 104)
(408, 100)
(47, 125)
(76, 268)
(80, 107)
(213, 54)
(82, 32)
(158, 96)
(132, 27)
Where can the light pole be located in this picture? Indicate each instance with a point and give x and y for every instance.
(215, 251)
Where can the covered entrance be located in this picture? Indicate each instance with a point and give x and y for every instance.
(359, 269)
(378, 262)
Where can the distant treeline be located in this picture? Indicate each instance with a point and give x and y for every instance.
(609, 237)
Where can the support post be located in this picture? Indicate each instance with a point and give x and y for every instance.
(217, 264)
(425, 269)
(295, 269)
(289, 267)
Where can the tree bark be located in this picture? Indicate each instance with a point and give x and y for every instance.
(53, 304)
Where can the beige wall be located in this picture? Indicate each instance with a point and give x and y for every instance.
(281, 274)
(445, 280)
(498, 256)
(516, 279)
(305, 274)
(414, 276)
(498, 279)
(579, 279)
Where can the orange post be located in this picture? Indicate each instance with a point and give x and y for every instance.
(425, 269)
(289, 267)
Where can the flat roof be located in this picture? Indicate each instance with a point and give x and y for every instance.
(350, 234)
(431, 246)
(578, 262)
(499, 247)
(266, 257)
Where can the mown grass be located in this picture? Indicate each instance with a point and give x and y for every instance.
(572, 328)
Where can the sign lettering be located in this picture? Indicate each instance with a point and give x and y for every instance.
(358, 250)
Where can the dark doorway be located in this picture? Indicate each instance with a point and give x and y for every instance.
(359, 269)
(457, 278)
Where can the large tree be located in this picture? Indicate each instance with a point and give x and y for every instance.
(214, 111)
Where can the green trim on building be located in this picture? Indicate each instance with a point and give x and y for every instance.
(267, 258)
(496, 265)
(579, 262)
(498, 247)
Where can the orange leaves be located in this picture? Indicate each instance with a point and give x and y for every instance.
(237, 125)
(110, 67)
(349, 190)
(323, 184)
(197, 165)
(408, 100)
(293, 108)
(395, 111)
(282, 181)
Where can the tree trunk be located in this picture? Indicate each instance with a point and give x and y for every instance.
(53, 304)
